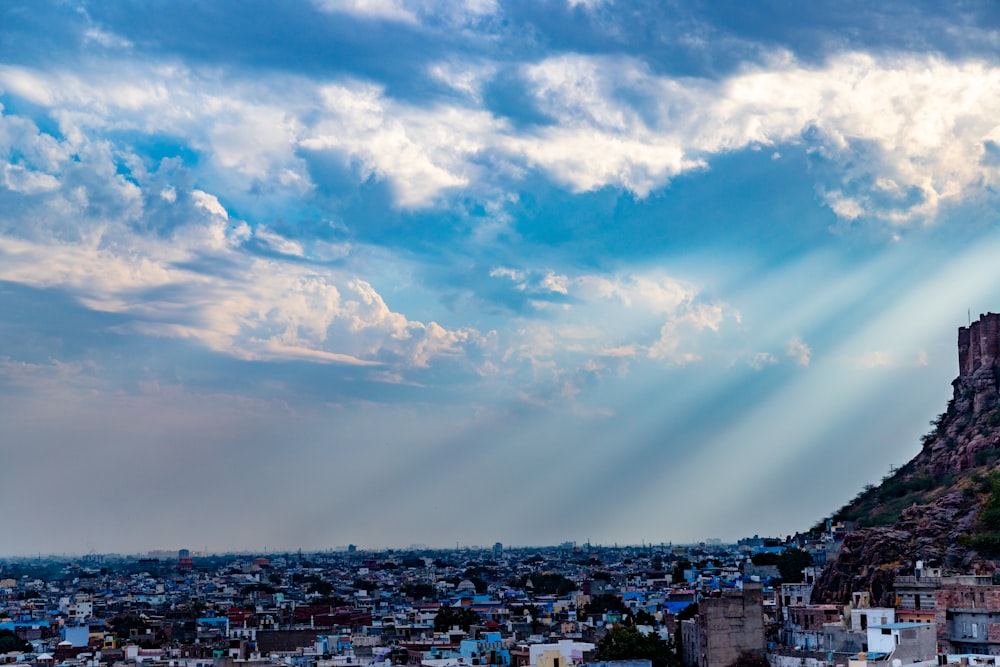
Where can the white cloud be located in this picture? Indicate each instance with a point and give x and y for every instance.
(393, 10)
(210, 203)
(894, 138)
(463, 77)
(921, 123)
(25, 181)
(106, 39)
(798, 351)
(609, 317)
(761, 360)
(455, 12)
(422, 152)
(588, 4)
(132, 247)
(875, 359)
(677, 342)
(279, 243)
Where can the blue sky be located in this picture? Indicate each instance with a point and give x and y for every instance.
(382, 272)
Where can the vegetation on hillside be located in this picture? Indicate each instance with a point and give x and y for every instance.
(881, 505)
(911, 485)
(987, 538)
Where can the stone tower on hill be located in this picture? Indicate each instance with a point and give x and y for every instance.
(978, 353)
(978, 344)
(932, 508)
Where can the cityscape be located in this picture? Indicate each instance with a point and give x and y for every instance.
(499, 333)
(572, 604)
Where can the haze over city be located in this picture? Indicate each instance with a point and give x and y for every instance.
(316, 273)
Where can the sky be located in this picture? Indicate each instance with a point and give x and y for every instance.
(302, 274)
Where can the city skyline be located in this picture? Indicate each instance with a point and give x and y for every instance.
(389, 272)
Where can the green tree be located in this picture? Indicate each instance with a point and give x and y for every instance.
(367, 586)
(449, 617)
(790, 563)
(123, 625)
(677, 574)
(551, 583)
(320, 586)
(600, 604)
(418, 591)
(643, 617)
(9, 641)
(746, 659)
(687, 612)
(627, 643)
(764, 558)
(332, 601)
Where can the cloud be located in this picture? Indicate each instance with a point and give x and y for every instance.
(279, 243)
(677, 335)
(875, 359)
(890, 139)
(414, 12)
(422, 152)
(588, 4)
(145, 247)
(896, 142)
(761, 360)
(799, 351)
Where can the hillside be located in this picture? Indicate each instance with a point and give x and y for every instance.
(943, 507)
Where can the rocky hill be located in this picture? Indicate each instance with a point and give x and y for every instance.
(943, 507)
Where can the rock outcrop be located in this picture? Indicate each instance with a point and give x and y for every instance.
(930, 506)
(870, 558)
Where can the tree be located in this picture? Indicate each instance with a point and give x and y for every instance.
(627, 643)
(677, 574)
(320, 586)
(418, 591)
(643, 617)
(123, 625)
(449, 617)
(746, 659)
(9, 641)
(791, 562)
(600, 604)
(551, 583)
(331, 601)
(764, 558)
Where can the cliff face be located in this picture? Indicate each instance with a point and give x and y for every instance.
(929, 509)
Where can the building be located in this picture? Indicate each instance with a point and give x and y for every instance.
(968, 617)
(908, 642)
(726, 626)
